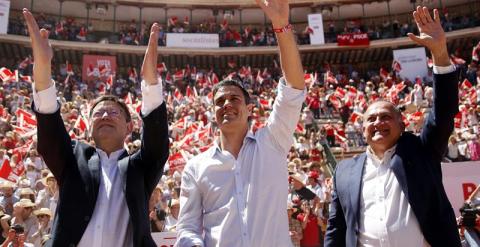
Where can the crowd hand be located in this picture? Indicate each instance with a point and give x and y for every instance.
(276, 10)
(149, 66)
(431, 35)
(10, 236)
(42, 52)
(21, 240)
(153, 215)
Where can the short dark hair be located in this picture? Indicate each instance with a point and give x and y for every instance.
(235, 83)
(114, 99)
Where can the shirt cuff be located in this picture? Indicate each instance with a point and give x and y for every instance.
(440, 70)
(152, 96)
(290, 94)
(45, 100)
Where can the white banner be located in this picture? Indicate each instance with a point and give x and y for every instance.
(460, 179)
(4, 12)
(315, 22)
(413, 62)
(193, 40)
(164, 239)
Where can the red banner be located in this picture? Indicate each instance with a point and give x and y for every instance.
(353, 39)
(98, 67)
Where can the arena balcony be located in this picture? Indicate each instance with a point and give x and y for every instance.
(113, 14)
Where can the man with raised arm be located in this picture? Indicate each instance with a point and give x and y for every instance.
(104, 192)
(392, 195)
(234, 194)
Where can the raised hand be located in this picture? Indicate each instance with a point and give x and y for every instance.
(149, 66)
(431, 35)
(42, 52)
(276, 10)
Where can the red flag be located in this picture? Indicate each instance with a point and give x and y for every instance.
(6, 171)
(69, 69)
(103, 70)
(330, 78)
(177, 95)
(467, 84)
(24, 64)
(176, 161)
(260, 78)
(232, 64)
(109, 81)
(81, 124)
(355, 115)
(179, 75)
(264, 103)
(384, 73)
(90, 70)
(190, 93)
(25, 117)
(172, 21)
(215, 79)
(6, 74)
(308, 78)
(300, 128)
(132, 74)
(161, 67)
(457, 60)
(340, 93)
(396, 66)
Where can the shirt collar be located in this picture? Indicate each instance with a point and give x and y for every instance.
(216, 144)
(386, 156)
(115, 155)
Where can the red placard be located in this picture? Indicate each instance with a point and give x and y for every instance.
(353, 39)
(95, 66)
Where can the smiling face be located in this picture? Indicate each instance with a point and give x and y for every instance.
(231, 110)
(382, 126)
(109, 126)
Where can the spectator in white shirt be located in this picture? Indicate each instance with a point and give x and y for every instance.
(226, 189)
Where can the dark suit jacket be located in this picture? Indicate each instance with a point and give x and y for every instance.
(77, 171)
(416, 165)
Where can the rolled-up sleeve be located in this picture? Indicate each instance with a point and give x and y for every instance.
(46, 100)
(152, 96)
(190, 218)
(285, 115)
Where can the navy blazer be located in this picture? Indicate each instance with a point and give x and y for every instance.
(77, 171)
(416, 165)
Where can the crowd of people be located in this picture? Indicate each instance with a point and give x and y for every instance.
(332, 113)
(230, 35)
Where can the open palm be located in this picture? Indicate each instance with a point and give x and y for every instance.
(276, 10)
(42, 51)
(431, 32)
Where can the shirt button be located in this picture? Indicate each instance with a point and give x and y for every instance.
(244, 234)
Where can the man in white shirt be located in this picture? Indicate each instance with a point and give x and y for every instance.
(393, 195)
(104, 192)
(234, 194)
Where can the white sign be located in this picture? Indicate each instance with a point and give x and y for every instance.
(315, 22)
(413, 62)
(193, 40)
(164, 239)
(4, 12)
(460, 179)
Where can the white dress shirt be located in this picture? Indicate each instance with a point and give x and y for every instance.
(387, 219)
(110, 224)
(242, 202)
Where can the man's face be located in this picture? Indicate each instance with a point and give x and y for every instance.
(230, 109)
(7, 192)
(109, 121)
(175, 210)
(382, 126)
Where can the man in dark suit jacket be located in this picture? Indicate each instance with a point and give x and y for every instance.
(393, 195)
(104, 192)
